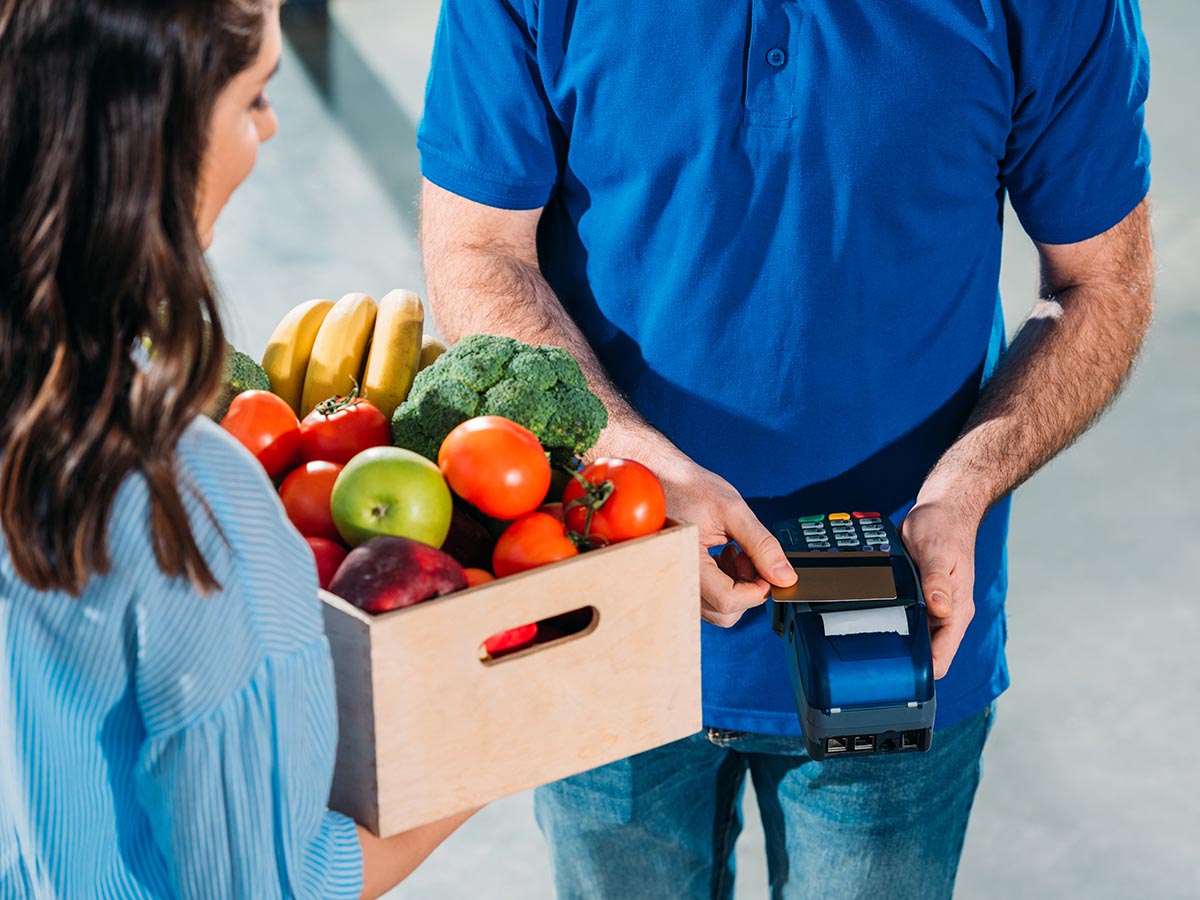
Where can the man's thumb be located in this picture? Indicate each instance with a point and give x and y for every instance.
(935, 584)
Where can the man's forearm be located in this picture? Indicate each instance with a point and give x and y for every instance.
(496, 287)
(478, 290)
(497, 293)
(1067, 363)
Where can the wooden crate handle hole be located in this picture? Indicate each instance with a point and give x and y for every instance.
(555, 630)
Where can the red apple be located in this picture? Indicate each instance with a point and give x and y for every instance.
(389, 573)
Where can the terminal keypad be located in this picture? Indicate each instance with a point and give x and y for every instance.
(843, 532)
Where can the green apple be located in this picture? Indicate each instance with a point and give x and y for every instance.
(392, 491)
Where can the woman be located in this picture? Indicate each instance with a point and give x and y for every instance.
(167, 721)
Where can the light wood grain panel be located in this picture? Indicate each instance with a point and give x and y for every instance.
(452, 733)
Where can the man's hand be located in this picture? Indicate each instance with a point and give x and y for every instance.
(733, 584)
(1065, 365)
(941, 540)
(742, 576)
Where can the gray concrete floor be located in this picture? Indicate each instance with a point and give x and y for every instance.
(1089, 789)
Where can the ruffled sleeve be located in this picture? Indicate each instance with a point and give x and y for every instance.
(237, 799)
(236, 693)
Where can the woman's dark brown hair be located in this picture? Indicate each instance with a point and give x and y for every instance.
(104, 116)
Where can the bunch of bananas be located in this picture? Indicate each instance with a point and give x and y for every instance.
(321, 349)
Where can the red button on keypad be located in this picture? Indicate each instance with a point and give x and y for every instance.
(866, 515)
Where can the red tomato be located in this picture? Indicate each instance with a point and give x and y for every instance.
(338, 429)
(267, 427)
(552, 509)
(535, 539)
(513, 639)
(329, 555)
(305, 494)
(476, 577)
(636, 505)
(496, 465)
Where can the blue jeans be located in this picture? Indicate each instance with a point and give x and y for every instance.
(663, 824)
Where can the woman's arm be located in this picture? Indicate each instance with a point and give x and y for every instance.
(388, 861)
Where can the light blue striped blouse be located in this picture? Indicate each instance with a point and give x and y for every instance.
(158, 743)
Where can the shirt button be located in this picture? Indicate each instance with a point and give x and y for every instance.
(776, 57)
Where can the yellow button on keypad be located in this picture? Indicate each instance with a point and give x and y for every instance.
(839, 517)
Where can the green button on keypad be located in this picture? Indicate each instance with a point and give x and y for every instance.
(804, 519)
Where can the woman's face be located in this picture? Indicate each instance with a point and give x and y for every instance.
(241, 120)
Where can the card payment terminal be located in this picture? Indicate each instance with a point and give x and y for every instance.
(856, 636)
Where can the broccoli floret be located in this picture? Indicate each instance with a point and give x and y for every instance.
(480, 364)
(520, 401)
(578, 420)
(433, 409)
(542, 388)
(534, 369)
(242, 373)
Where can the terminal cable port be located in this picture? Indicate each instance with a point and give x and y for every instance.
(910, 740)
(837, 745)
(864, 742)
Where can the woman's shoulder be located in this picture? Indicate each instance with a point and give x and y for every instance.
(271, 563)
(193, 649)
(214, 458)
(217, 475)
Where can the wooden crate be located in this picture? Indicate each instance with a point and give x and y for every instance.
(427, 728)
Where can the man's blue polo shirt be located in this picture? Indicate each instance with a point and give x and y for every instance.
(778, 223)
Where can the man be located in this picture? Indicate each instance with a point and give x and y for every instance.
(770, 232)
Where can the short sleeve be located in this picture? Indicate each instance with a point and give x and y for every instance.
(488, 132)
(1078, 159)
(237, 800)
(237, 698)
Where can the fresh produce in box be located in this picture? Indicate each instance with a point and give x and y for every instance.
(340, 428)
(266, 426)
(339, 352)
(476, 577)
(614, 500)
(389, 573)
(329, 556)
(395, 351)
(468, 540)
(242, 374)
(540, 387)
(321, 349)
(391, 491)
(512, 640)
(290, 349)
(536, 539)
(495, 465)
(431, 349)
(306, 496)
(494, 412)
